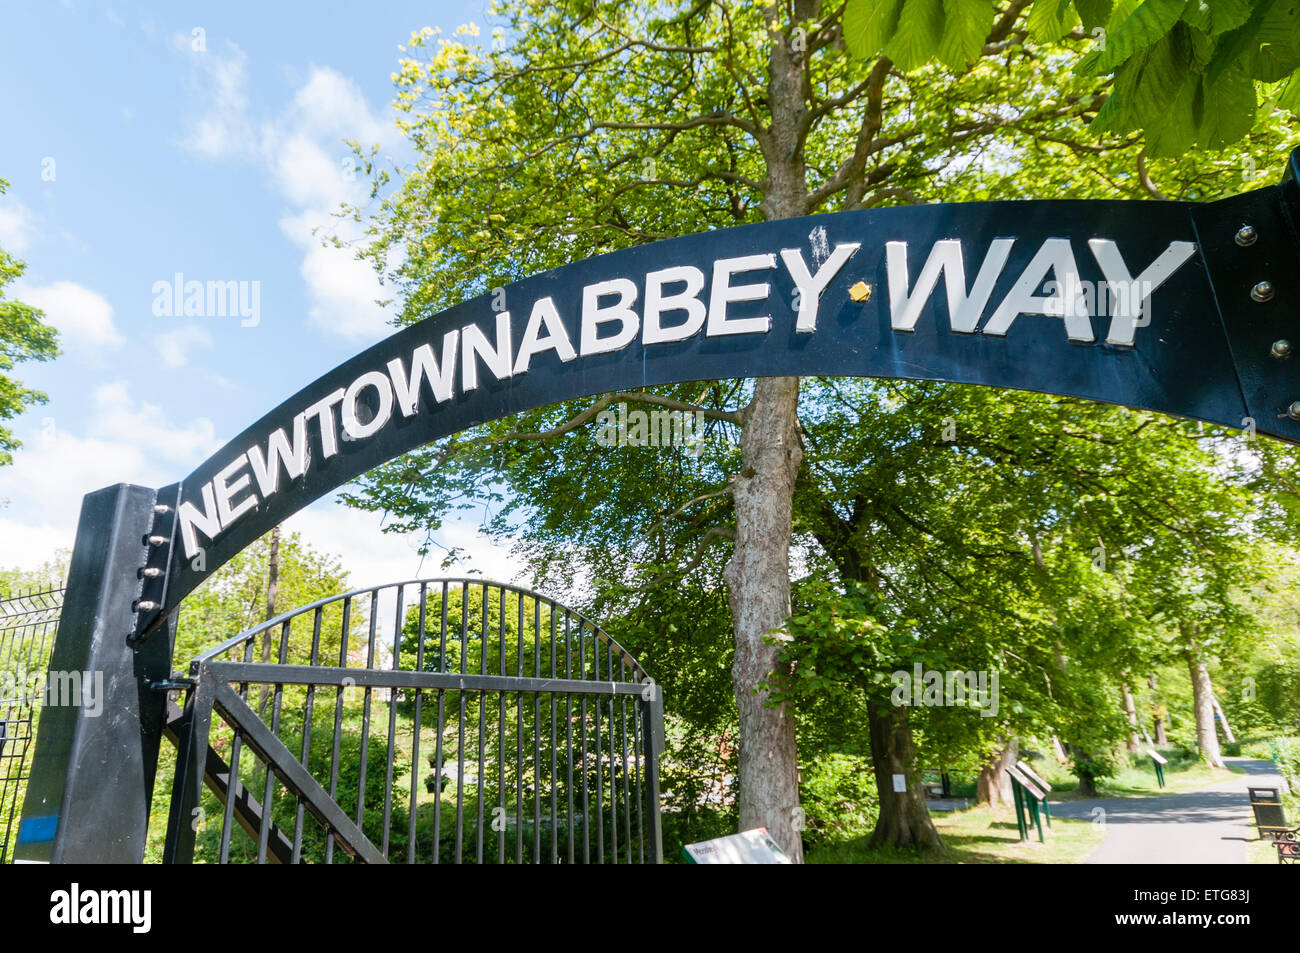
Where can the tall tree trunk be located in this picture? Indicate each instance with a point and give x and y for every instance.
(904, 820)
(1130, 712)
(758, 584)
(1223, 718)
(994, 784)
(272, 591)
(1157, 713)
(758, 573)
(1207, 738)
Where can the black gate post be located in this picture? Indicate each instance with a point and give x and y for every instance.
(97, 750)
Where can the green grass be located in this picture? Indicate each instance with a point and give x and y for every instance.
(980, 835)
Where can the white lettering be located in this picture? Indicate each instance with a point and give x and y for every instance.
(544, 317)
(225, 491)
(279, 453)
(811, 286)
(593, 315)
(657, 304)
(724, 293)
(964, 311)
(424, 366)
(352, 425)
(475, 343)
(1055, 256)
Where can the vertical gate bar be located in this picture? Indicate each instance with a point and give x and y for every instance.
(600, 768)
(460, 736)
(500, 818)
(586, 799)
(555, 819)
(654, 746)
(519, 735)
(482, 717)
(637, 759)
(308, 716)
(191, 761)
(537, 727)
(392, 723)
(613, 764)
(622, 723)
(568, 727)
(231, 789)
(437, 785)
(365, 713)
(268, 781)
(415, 737)
(345, 626)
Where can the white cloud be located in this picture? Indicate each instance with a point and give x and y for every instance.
(126, 441)
(16, 226)
(303, 151)
(84, 317)
(117, 417)
(223, 129)
(174, 347)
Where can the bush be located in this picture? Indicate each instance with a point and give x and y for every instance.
(838, 796)
(1288, 759)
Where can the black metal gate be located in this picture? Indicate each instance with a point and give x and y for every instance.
(27, 623)
(434, 721)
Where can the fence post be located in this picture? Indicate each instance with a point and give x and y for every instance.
(654, 747)
(96, 754)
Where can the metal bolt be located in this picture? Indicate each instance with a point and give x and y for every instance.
(155, 540)
(1281, 348)
(1294, 410)
(1246, 235)
(144, 605)
(1263, 291)
(150, 573)
(161, 508)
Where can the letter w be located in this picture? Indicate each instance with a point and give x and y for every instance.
(424, 364)
(964, 311)
(278, 452)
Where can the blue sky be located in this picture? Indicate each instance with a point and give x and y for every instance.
(142, 141)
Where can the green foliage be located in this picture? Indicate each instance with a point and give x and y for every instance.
(1185, 72)
(23, 337)
(837, 792)
(1287, 756)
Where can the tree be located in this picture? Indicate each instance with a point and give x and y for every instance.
(584, 127)
(23, 337)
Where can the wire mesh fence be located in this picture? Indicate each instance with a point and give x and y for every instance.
(28, 620)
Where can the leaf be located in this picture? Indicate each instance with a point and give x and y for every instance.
(967, 25)
(1174, 132)
(1135, 25)
(1152, 79)
(1290, 97)
(1227, 109)
(869, 25)
(1049, 20)
(1093, 13)
(1217, 16)
(920, 29)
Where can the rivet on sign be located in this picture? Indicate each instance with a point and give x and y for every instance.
(1246, 235)
(1281, 348)
(1294, 410)
(860, 292)
(150, 573)
(1263, 291)
(155, 540)
(161, 508)
(144, 605)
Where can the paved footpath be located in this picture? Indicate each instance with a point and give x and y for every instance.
(1209, 826)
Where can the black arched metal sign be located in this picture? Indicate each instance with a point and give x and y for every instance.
(1177, 307)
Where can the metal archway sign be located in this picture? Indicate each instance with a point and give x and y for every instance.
(1184, 308)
